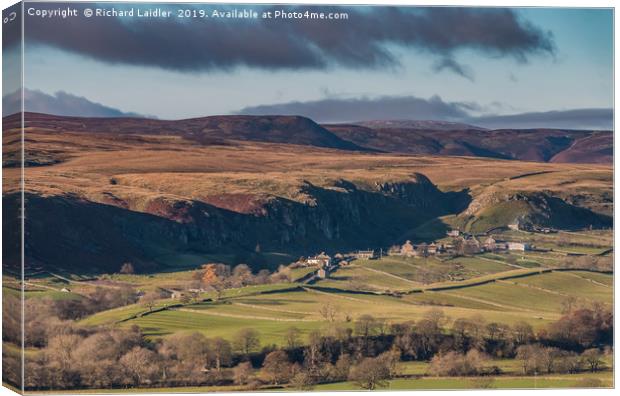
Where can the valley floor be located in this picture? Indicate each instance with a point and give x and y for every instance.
(509, 288)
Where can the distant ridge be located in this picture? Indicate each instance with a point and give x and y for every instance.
(441, 138)
(207, 130)
(418, 137)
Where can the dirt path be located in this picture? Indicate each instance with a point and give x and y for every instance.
(503, 262)
(487, 302)
(227, 315)
(270, 309)
(388, 274)
(586, 278)
(334, 295)
(83, 282)
(41, 286)
(529, 286)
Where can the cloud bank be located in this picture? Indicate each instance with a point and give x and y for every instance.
(341, 110)
(593, 118)
(332, 110)
(366, 109)
(367, 39)
(61, 103)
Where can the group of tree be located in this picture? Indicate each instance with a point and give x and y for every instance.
(217, 277)
(365, 351)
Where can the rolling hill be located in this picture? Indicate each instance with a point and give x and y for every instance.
(540, 145)
(205, 130)
(156, 192)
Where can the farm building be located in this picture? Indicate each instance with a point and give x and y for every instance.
(394, 250)
(453, 233)
(472, 246)
(320, 260)
(408, 250)
(518, 246)
(489, 244)
(365, 254)
(323, 273)
(514, 226)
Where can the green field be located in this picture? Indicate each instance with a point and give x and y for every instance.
(492, 288)
(502, 287)
(272, 309)
(439, 383)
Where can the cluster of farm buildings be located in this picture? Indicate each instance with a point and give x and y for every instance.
(460, 244)
(463, 244)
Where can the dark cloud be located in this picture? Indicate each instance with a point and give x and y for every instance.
(61, 103)
(566, 119)
(367, 39)
(366, 109)
(454, 66)
(414, 108)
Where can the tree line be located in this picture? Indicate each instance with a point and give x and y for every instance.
(365, 351)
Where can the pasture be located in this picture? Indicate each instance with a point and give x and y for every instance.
(273, 309)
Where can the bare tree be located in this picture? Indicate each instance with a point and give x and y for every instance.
(141, 365)
(370, 373)
(150, 299)
(302, 381)
(127, 268)
(292, 337)
(246, 340)
(276, 368)
(222, 352)
(593, 359)
(523, 332)
(328, 311)
(242, 373)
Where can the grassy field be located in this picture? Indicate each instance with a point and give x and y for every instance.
(272, 309)
(439, 383)
(489, 286)
(426, 383)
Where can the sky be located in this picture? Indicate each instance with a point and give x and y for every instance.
(494, 67)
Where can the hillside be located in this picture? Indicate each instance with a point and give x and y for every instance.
(205, 130)
(406, 137)
(541, 145)
(156, 198)
(530, 210)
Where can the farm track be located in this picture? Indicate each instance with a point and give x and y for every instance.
(206, 312)
(528, 286)
(335, 294)
(41, 286)
(387, 274)
(271, 309)
(536, 314)
(487, 302)
(83, 282)
(588, 279)
(502, 262)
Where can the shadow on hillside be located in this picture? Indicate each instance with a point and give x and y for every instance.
(84, 237)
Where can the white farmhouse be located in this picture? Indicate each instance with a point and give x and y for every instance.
(518, 246)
